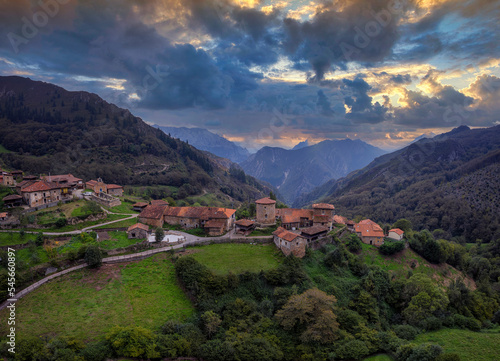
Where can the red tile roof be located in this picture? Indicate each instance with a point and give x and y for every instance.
(140, 204)
(398, 231)
(311, 231)
(3, 215)
(339, 219)
(245, 223)
(203, 213)
(286, 235)
(91, 183)
(154, 212)
(323, 206)
(63, 178)
(293, 215)
(39, 186)
(114, 186)
(368, 228)
(138, 225)
(266, 200)
(158, 202)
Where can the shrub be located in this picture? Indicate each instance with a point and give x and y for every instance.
(431, 324)
(354, 244)
(96, 351)
(93, 256)
(133, 342)
(354, 349)
(61, 222)
(391, 247)
(406, 332)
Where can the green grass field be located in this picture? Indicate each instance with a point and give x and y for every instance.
(12, 238)
(238, 258)
(263, 232)
(87, 303)
(471, 346)
(118, 240)
(121, 224)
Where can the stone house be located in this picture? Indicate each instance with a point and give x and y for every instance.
(7, 179)
(97, 186)
(266, 211)
(197, 217)
(115, 190)
(138, 231)
(323, 214)
(370, 232)
(41, 192)
(289, 242)
(292, 218)
(153, 215)
(396, 234)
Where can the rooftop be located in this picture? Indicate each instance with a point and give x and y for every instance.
(138, 225)
(266, 200)
(311, 231)
(323, 206)
(154, 212)
(204, 213)
(397, 231)
(286, 235)
(245, 222)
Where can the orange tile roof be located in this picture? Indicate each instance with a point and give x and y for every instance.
(245, 222)
(140, 204)
(154, 212)
(40, 186)
(284, 234)
(204, 213)
(3, 214)
(138, 225)
(91, 182)
(310, 231)
(369, 229)
(370, 222)
(397, 231)
(266, 200)
(70, 178)
(293, 215)
(339, 219)
(157, 202)
(323, 206)
(114, 186)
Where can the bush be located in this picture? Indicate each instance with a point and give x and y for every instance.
(355, 349)
(93, 256)
(96, 351)
(423, 352)
(61, 222)
(406, 332)
(391, 247)
(354, 244)
(431, 324)
(133, 342)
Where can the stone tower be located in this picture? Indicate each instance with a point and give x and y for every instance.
(266, 211)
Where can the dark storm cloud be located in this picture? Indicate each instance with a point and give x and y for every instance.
(362, 109)
(324, 104)
(363, 31)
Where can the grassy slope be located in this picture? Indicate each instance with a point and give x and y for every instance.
(471, 346)
(238, 258)
(86, 304)
(401, 264)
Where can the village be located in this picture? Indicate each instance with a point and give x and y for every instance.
(292, 230)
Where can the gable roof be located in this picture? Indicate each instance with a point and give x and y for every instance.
(245, 222)
(40, 186)
(368, 228)
(62, 178)
(398, 231)
(323, 206)
(12, 197)
(265, 200)
(286, 235)
(3, 215)
(138, 225)
(140, 204)
(159, 202)
(154, 212)
(114, 186)
(293, 215)
(203, 213)
(311, 231)
(339, 219)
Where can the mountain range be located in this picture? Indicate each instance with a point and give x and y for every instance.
(46, 129)
(448, 184)
(203, 139)
(297, 171)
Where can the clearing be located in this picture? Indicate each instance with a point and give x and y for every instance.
(237, 257)
(87, 303)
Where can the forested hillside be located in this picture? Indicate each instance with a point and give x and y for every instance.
(46, 129)
(449, 183)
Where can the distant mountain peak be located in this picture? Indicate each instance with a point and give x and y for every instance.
(302, 144)
(205, 140)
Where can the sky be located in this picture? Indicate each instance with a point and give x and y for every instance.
(270, 73)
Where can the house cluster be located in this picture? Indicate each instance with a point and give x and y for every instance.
(300, 227)
(215, 221)
(48, 190)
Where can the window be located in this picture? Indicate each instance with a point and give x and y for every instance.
(265, 216)
(323, 212)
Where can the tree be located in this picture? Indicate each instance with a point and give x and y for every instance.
(39, 239)
(133, 342)
(272, 195)
(159, 234)
(353, 243)
(93, 256)
(312, 313)
(211, 321)
(403, 224)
